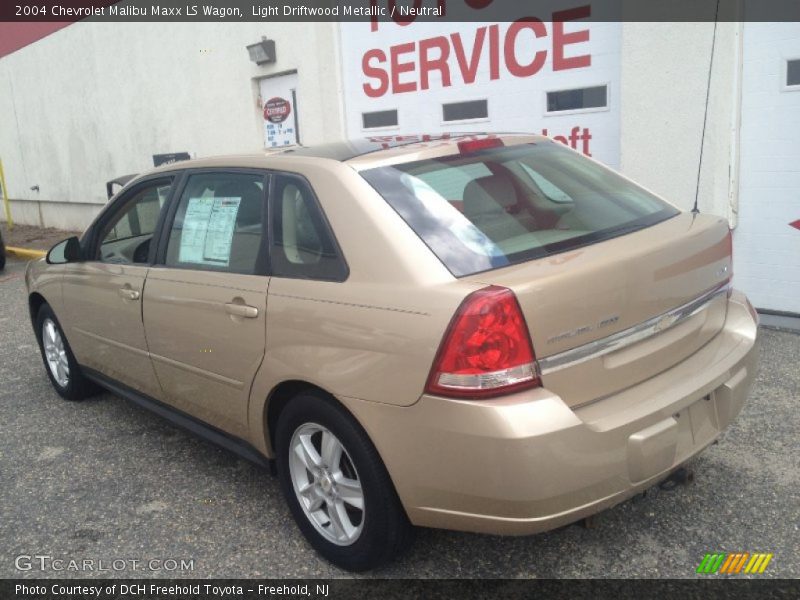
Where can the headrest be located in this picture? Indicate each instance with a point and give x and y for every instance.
(250, 206)
(492, 187)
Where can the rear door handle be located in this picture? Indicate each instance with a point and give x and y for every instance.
(129, 294)
(241, 310)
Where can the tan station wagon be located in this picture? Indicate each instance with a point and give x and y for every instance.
(478, 332)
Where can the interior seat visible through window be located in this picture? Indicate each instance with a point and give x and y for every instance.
(246, 237)
(489, 202)
(303, 246)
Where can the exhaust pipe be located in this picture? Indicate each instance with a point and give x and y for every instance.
(680, 476)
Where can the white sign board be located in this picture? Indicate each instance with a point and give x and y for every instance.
(417, 67)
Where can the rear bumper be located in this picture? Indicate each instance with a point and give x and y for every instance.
(528, 462)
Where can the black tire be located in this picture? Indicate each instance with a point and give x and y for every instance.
(78, 387)
(386, 531)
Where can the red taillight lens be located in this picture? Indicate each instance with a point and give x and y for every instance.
(486, 350)
(468, 146)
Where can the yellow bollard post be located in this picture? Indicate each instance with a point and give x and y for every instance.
(6, 205)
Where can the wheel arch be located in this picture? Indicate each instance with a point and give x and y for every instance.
(280, 396)
(35, 302)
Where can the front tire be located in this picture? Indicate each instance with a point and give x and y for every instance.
(59, 361)
(337, 487)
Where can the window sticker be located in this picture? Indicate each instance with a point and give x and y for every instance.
(208, 231)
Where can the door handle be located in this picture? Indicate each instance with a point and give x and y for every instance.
(129, 294)
(241, 310)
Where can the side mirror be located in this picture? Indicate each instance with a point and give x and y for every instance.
(65, 252)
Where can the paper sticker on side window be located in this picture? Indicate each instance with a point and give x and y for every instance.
(208, 231)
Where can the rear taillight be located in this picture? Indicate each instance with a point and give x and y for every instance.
(486, 351)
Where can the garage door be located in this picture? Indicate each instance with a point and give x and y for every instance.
(767, 239)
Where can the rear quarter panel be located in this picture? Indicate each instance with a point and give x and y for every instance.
(373, 336)
(374, 342)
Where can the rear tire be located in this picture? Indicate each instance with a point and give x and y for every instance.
(328, 467)
(59, 362)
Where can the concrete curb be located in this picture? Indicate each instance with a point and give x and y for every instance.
(26, 253)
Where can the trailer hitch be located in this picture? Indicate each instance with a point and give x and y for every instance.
(680, 476)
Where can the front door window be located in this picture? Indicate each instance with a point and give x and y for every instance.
(127, 237)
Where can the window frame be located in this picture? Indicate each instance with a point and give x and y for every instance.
(578, 111)
(175, 201)
(272, 200)
(91, 240)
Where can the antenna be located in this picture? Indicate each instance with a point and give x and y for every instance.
(695, 210)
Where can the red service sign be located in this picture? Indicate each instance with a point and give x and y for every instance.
(277, 110)
(410, 66)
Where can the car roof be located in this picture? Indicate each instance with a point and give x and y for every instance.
(359, 153)
(346, 150)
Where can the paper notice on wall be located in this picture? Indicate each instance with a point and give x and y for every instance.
(279, 134)
(208, 231)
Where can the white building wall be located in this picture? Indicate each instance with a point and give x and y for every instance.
(114, 87)
(96, 100)
(664, 83)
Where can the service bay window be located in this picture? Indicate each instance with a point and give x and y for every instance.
(793, 73)
(379, 119)
(577, 99)
(465, 111)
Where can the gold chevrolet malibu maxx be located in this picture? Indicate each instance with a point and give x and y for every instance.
(476, 332)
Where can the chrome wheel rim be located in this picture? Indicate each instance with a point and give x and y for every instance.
(55, 353)
(326, 483)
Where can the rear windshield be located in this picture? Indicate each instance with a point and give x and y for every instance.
(505, 205)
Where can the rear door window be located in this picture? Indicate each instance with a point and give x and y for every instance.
(303, 245)
(508, 204)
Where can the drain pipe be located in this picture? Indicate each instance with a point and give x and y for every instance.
(736, 124)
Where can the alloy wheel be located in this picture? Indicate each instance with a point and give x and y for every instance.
(326, 484)
(55, 353)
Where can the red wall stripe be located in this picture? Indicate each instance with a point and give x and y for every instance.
(14, 36)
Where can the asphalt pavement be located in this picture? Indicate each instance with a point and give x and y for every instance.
(106, 482)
